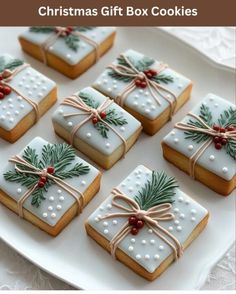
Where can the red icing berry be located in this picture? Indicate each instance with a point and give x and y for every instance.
(95, 120)
(149, 75)
(224, 141)
(1, 78)
(216, 128)
(6, 90)
(41, 184)
(222, 130)
(143, 84)
(1, 95)
(138, 82)
(69, 29)
(230, 129)
(216, 139)
(43, 179)
(1, 88)
(134, 231)
(50, 169)
(133, 220)
(139, 224)
(103, 114)
(153, 72)
(218, 146)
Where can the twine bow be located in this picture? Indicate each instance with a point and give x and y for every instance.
(208, 131)
(62, 32)
(78, 103)
(151, 217)
(42, 173)
(153, 86)
(7, 76)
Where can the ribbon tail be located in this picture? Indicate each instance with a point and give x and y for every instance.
(124, 231)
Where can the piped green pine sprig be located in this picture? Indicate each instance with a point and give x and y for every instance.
(160, 189)
(12, 64)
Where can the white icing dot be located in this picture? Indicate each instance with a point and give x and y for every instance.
(61, 198)
(180, 86)
(16, 112)
(22, 106)
(4, 107)
(20, 84)
(101, 208)
(109, 206)
(60, 111)
(122, 129)
(152, 241)
(137, 184)
(50, 208)
(59, 191)
(176, 140)
(147, 110)
(109, 89)
(187, 201)
(19, 190)
(30, 93)
(9, 100)
(136, 96)
(53, 215)
(11, 105)
(190, 147)
(123, 185)
(135, 103)
(40, 95)
(170, 228)
(172, 133)
(176, 222)
(176, 210)
(32, 79)
(153, 107)
(182, 216)
(83, 183)
(143, 242)
(27, 87)
(168, 96)
(19, 98)
(105, 224)
(83, 45)
(131, 189)
(212, 157)
(51, 198)
(43, 80)
(161, 247)
(2, 117)
(193, 211)
(70, 124)
(141, 91)
(8, 113)
(147, 256)
(132, 240)
(114, 222)
(225, 169)
(114, 86)
(45, 214)
(179, 228)
(216, 105)
(105, 231)
(138, 256)
(146, 94)
(96, 219)
(108, 145)
(143, 105)
(211, 99)
(59, 207)
(131, 248)
(68, 56)
(114, 81)
(104, 81)
(193, 219)
(180, 199)
(138, 176)
(11, 120)
(150, 231)
(156, 256)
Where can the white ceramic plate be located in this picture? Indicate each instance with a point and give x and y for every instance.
(73, 256)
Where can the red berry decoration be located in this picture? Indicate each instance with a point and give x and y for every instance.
(1, 95)
(1, 88)
(43, 179)
(103, 114)
(143, 84)
(139, 224)
(216, 128)
(153, 72)
(230, 129)
(134, 231)
(1, 78)
(133, 220)
(149, 75)
(6, 90)
(138, 82)
(218, 146)
(50, 169)
(224, 141)
(222, 130)
(41, 184)
(69, 29)
(95, 120)
(216, 139)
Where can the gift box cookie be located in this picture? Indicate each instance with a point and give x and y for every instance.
(203, 144)
(96, 126)
(25, 95)
(48, 185)
(147, 222)
(70, 50)
(148, 89)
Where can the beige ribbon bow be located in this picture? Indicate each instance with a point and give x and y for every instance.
(42, 173)
(151, 217)
(208, 131)
(8, 75)
(61, 32)
(78, 103)
(153, 86)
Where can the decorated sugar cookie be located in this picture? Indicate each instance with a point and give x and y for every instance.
(97, 126)
(25, 95)
(147, 222)
(70, 50)
(148, 89)
(204, 143)
(47, 184)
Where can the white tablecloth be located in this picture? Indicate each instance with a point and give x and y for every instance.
(17, 273)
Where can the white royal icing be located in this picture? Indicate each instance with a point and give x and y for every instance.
(32, 84)
(140, 100)
(60, 49)
(146, 248)
(58, 201)
(216, 161)
(88, 133)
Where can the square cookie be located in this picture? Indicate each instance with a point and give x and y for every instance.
(25, 95)
(147, 222)
(69, 50)
(48, 185)
(148, 89)
(203, 144)
(96, 126)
